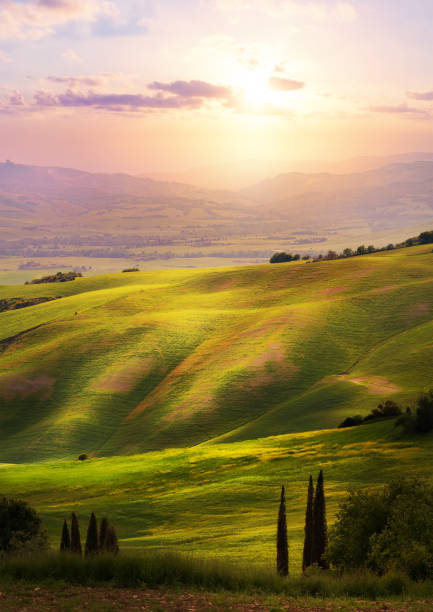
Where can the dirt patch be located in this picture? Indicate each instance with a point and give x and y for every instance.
(331, 290)
(384, 289)
(275, 352)
(418, 310)
(22, 386)
(375, 385)
(124, 378)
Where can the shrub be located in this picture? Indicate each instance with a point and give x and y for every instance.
(352, 421)
(83, 457)
(386, 530)
(20, 528)
(422, 420)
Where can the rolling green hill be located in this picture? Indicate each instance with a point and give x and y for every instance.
(127, 363)
(219, 499)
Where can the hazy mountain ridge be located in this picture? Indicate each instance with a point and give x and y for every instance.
(74, 204)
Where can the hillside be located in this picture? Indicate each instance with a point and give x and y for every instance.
(127, 363)
(218, 500)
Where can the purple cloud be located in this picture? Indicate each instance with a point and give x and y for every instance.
(422, 95)
(116, 102)
(280, 84)
(193, 89)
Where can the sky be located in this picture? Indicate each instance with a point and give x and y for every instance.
(153, 86)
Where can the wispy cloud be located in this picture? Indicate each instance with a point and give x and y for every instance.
(282, 84)
(70, 56)
(422, 95)
(74, 82)
(35, 19)
(399, 109)
(337, 10)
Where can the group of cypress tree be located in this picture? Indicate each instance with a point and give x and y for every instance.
(316, 531)
(104, 541)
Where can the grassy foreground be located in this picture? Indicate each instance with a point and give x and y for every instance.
(127, 363)
(218, 500)
(169, 569)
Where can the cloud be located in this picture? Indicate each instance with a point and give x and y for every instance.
(73, 82)
(337, 10)
(34, 19)
(5, 58)
(187, 89)
(109, 26)
(399, 109)
(281, 84)
(71, 56)
(114, 102)
(423, 95)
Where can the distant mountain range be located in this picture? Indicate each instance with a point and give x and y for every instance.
(43, 202)
(234, 176)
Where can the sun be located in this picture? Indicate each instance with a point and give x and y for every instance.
(255, 92)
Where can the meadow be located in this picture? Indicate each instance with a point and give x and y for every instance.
(196, 394)
(128, 363)
(218, 500)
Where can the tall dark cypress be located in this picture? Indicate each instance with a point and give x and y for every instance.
(111, 544)
(307, 558)
(320, 529)
(75, 535)
(65, 542)
(282, 546)
(92, 537)
(103, 534)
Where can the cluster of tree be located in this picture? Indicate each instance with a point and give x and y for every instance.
(383, 411)
(59, 277)
(316, 531)
(386, 529)
(419, 420)
(103, 540)
(423, 238)
(413, 420)
(130, 270)
(281, 257)
(20, 528)
(15, 303)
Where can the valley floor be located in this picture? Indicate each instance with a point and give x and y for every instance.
(59, 598)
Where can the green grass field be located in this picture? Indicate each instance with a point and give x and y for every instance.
(218, 500)
(198, 393)
(127, 363)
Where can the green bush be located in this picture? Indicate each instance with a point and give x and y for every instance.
(386, 530)
(20, 528)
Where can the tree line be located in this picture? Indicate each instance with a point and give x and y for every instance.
(417, 420)
(423, 238)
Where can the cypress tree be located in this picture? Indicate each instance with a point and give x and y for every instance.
(65, 542)
(282, 546)
(92, 537)
(307, 558)
(111, 544)
(320, 529)
(103, 533)
(75, 536)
